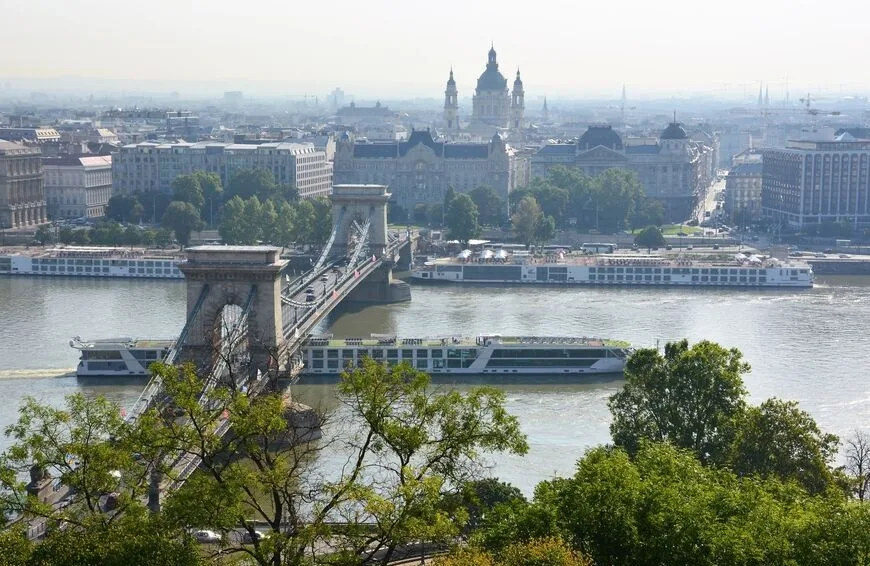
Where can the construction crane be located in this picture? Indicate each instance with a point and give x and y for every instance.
(815, 111)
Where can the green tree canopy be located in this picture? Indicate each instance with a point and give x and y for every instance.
(247, 183)
(779, 439)
(545, 230)
(187, 188)
(525, 219)
(489, 205)
(462, 219)
(650, 237)
(690, 397)
(121, 208)
(182, 218)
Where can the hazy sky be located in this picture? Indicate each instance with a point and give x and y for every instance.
(396, 48)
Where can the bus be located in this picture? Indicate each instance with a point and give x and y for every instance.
(599, 248)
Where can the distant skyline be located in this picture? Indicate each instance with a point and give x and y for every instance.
(380, 48)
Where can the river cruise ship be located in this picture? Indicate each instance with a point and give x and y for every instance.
(325, 355)
(120, 357)
(636, 269)
(83, 261)
(481, 355)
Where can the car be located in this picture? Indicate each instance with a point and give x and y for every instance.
(819, 254)
(715, 246)
(669, 247)
(206, 536)
(796, 254)
(324, 278)
(845, 256)
(248, 537)
(829, 251)
(309, 290)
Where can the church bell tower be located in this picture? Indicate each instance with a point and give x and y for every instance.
(518, 104)
(451, 105)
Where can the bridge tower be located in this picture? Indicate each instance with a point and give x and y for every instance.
(363, 204)
(359, 203)
(225, 279)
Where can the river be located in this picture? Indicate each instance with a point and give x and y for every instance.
(808, 345)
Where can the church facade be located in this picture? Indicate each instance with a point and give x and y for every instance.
(671, 168)
(420, 169)
(494, 107)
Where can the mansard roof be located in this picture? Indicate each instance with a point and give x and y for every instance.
(645, 149)
(558, 149)
(600, 134)
(389, 150)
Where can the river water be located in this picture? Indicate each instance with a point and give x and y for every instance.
(808, 345)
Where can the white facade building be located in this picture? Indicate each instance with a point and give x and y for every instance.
(151, 166)
(77, 187)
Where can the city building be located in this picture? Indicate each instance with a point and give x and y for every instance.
(182, 124)
(494, 107)
(812, 182)
(743, 192)
(419, 170)
(77, 186)
(671, 167)
(30, 136)
(152, 166)
(22, 193)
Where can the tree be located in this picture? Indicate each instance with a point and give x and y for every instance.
(615, 195)
(489, 205)
(182, 218)
(212, 190)
(268, 222)
(89, 448)
(779, 439)
(132, 236)
(230, 227)
(545, 230)
(650, 237)
(449, 195)
(690, 397)
(648, 212)
(66, 235)
(406, 445)
(525, 220)
(44, 234)
(306, 217)
(553, 200)
(551, 551)
(857, 455)
(163, 237)
(286, 218)
(120, 208)
(462, 219)
(478, 497)
(247, 183)
(186, 188)
(321, 226)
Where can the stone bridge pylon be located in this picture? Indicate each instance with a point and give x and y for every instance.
(233, 278)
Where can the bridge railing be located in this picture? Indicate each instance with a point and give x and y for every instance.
(155, 384)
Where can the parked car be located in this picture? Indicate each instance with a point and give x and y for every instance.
(715, 246)
(310, 297)
(845, 256)
(324, 278)
(248, 538)
(206, 536)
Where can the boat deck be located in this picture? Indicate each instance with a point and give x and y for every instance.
(465, 341)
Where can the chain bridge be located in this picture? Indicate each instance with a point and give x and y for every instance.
(247, 319)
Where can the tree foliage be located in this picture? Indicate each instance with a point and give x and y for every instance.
(690, 397)
(187, 188)
(778, 439)
(182, 218)
(525, 219)
(462, 218)
(490, 206)
(650, 237)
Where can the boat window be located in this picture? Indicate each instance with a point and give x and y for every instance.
(422, 364)
(347, 354)
(332, 354)
(454, 364)
(317, 354)
(422, 353)
(438, 353)
(392, 354)
(438, 364)
(407, 354)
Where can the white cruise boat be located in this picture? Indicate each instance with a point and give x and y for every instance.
(482, 355)
(325, 355)
(85, 261)
(121, 357)
(637, 270)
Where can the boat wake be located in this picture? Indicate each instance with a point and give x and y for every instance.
(36, 373)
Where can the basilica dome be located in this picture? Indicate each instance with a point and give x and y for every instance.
(491, 78)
